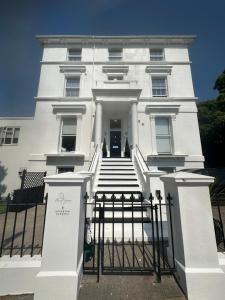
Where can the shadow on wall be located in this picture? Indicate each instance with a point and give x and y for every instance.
(3, 174)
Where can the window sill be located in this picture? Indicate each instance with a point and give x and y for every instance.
(65, 154)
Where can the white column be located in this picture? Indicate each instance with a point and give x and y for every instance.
(98, 124)
(62, 256)
(196, 258)
(134, 123)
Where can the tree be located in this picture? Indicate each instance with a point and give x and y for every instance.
(211, 115)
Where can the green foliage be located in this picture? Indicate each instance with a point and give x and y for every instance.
(211, 116)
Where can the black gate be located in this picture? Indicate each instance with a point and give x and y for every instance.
(126, 234)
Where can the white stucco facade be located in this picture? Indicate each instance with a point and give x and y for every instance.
(128, 98)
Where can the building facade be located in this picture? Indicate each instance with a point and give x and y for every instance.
(116, 93)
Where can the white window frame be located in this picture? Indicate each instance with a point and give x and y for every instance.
(73, 88)
(169, 135)
(166, 86)
(115, 57)
(4, 132)
(61, 135)
(156, 57)
(74, 57)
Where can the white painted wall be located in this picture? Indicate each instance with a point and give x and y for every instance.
(40, 136)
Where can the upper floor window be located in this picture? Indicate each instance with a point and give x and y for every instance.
(72, 87)
(163, 135)
(9, 135)
(156, 54)
(74, 54)
(159, 87)
(115, 54)
(69, 133)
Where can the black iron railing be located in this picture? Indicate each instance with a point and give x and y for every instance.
(22, 228)
(218, 210)
(129, 235)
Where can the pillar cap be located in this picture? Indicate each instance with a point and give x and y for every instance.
(155, 173)
(185, 177)
(68, 177)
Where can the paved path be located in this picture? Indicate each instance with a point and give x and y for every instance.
(123, 288)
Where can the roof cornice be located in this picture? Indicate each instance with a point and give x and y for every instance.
(147, 40)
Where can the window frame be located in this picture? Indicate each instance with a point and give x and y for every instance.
(169, 135)
(3, 137)
(166, 87)
(72, 88)
(77, 57)
(61, 134)
(115, 57)
(153, 57)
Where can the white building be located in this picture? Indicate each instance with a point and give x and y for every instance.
(116, 88)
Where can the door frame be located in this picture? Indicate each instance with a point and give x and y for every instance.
(117, 130)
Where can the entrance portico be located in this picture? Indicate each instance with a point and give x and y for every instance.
(116, 119)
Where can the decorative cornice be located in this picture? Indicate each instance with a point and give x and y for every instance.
(88, 40)
(164, 108)
(110, 63)
(115, 69)
(160, 69)
(72, 69)
(68, 108)
(122, 92)
(64, 99)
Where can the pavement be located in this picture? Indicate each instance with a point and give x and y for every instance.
(115, 287)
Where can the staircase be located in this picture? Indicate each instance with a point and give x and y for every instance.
(123, 217)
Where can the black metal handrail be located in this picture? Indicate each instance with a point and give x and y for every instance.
(93, 158)
(142, 156)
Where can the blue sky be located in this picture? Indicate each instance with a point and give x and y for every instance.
(21, 20)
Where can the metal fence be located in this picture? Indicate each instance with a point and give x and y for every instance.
(218, 211)
(22, 228)
(125, 234)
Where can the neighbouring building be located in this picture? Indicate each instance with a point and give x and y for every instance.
(112, 91)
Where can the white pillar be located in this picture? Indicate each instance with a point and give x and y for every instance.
(197, 265)
(134, 123)
(98, 124)
(62, 256)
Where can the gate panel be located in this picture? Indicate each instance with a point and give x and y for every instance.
(129, 235)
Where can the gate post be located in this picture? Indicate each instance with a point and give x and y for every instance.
(195, 252)
(62, 255)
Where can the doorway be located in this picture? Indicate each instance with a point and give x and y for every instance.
(115, 138)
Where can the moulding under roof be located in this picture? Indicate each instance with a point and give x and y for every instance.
(66, 40)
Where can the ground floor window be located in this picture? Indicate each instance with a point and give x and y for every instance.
(65, 169)
(9, 135)
(68, 136)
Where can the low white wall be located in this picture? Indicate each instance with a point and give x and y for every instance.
(17, 274)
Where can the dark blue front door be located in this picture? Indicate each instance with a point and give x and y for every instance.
(115, 143)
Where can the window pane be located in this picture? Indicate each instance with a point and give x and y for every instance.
(156, 54)
(75, 52)
(159, 87)
(71, 92)
(162, 126)
(69, 126)
(16, 135)
(163, 144)
(73, 82)
(65, 169)
(8, 136)
(68, 143)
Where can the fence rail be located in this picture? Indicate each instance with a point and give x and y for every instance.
(22, 228)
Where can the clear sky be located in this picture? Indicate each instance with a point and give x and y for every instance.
(21, 20)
